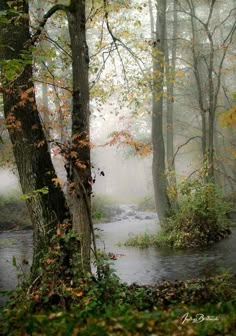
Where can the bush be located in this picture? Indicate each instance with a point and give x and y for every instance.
(141, 240)
(200, 219)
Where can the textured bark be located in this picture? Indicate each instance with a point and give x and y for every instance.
(28, 139)
(81, 167)
(158, 164)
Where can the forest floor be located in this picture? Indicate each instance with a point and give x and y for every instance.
(108, 307)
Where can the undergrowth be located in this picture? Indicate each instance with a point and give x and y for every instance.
(62, 301)
(109, 307)
(200, 219)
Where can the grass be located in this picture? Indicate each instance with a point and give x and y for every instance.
(141, 240)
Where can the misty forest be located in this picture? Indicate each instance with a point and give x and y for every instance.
(117, 167)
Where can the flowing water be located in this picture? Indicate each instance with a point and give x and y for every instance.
(140, 265)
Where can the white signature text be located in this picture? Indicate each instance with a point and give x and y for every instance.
(198, 318)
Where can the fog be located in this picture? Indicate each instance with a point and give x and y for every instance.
(118, 173)
(8, 181)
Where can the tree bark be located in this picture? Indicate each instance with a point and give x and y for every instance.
(158, 164)
(45, 201)
(81, 166)
(171, 64)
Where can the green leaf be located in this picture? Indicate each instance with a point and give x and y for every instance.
(43, 191)
(25, 197)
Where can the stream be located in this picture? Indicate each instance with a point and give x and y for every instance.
(140, 265)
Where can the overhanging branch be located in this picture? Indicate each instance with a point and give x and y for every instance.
(46, 16)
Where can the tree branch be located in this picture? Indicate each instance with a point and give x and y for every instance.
(116, 39)
(46, 16)
(58, 46)
(181, 146)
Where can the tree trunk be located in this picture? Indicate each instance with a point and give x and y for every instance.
(81, 166)
(45, 200)
(158, 164)
(170, 99)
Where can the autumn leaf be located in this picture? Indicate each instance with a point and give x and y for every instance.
(125, 138)
(180, 74)
(49, 261)
(228, 118)
(41, 143)
(80, 164)
(58, 182)
(73, 154)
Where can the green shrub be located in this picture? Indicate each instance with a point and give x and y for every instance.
(141, 240)
(200, 219)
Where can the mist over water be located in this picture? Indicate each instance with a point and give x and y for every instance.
(8, 181)
(125, 179)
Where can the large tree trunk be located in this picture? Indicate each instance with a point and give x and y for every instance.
(158, 165)
(81, 167)
(45, 200)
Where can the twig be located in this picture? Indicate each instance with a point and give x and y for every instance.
(184, 144)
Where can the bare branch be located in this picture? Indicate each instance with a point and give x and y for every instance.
(181, 146)
(59, 47)
(223, 22)
(54, 85)
(226, 175)
(118, 41)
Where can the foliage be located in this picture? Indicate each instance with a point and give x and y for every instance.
(200, 219)
(126, 139)
(109, 307)
(141, 240)
(13, 211)
(43, 191)
(228, 118)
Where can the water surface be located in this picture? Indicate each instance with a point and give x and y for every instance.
(140, 265)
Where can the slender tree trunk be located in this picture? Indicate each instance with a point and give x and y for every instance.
(81, 167)
(45, 201)
(171, 64)
(158, 165)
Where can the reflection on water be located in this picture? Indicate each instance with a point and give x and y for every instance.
(149, 265)
(144, 266)
(16, 244)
